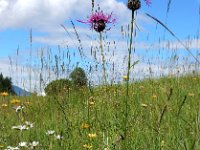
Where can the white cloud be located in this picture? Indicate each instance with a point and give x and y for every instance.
(34, 13)
(42, 14)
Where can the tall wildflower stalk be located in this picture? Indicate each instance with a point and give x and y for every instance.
(128, 74)
(102, 58)
(133, 5)
(98, 21)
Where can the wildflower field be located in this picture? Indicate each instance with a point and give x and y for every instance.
(163, 114)
(153, 103)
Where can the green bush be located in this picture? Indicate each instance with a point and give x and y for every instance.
(58, 87)
(78, 77)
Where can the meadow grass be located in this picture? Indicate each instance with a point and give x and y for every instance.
(164, 114)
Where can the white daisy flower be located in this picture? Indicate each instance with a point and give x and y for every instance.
(19, 108)
(12, 148)
(59, 137)
(23, 144)
(50, 132)
(20, 127)
(29, 124)
(33, 144)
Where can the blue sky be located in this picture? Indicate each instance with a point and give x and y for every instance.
(183, 19)
(45, 17)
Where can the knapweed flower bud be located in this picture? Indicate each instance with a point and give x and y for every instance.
(134, 4)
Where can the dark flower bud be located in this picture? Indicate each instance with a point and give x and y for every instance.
(134, 4)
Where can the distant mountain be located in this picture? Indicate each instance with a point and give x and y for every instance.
(20, 92)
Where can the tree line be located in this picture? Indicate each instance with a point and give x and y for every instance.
(6, 84)
(77, 79)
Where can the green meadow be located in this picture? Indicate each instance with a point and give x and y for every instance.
(163, 114)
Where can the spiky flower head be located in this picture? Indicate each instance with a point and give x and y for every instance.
(99, 20)
(136, 4)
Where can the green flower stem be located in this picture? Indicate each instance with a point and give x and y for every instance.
(103, 58)
(128, 76)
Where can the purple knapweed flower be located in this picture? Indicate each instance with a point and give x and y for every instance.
(99, 20)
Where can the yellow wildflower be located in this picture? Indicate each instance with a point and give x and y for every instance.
(1, 146)
(141, 87)
(4, 105)
(162, 143)
(92, 135)
(28, 103)
(85, 126)
(125, 78)
(191, 94)
(87, 146)
(15, 102)
(91, 103)
(144, 105)
(4, 94)
(91, 98)
(154, 96)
